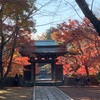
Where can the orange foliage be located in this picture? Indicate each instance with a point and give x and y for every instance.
(81, 39)
(18, 63)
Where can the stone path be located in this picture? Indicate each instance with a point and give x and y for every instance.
(49, 93)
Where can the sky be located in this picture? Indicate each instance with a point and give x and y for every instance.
(53, 12)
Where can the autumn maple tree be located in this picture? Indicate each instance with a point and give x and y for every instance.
(82, 44)
(18, 63)
(16, 26)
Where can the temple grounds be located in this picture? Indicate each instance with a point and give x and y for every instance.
(26, 93)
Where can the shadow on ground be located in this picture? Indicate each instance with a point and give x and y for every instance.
(16, 93)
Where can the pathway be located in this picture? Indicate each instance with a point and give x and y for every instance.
(49, 93)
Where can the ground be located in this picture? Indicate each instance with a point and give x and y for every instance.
(26, 93)
(82, 93)
(16, 93)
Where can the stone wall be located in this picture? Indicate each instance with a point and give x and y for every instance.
(71, 80)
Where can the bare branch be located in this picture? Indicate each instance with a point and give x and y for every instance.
(92, 5)
(48, 23)
(42, 6)
(73, 8)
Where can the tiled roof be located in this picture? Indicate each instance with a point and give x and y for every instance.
(45, 43)
(47, 46)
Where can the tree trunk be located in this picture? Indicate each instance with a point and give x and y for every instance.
(12, 53)
(3, 78)
(89, 14)
(1, 69)
(1, 61)
(1, 50)
(87, 71)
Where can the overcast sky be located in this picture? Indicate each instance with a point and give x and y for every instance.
(58, 11)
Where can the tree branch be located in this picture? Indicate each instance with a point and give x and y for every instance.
(89, 14)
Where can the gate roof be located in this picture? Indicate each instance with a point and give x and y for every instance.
(48, 46)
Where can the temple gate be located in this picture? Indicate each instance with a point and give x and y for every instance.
(47, 52)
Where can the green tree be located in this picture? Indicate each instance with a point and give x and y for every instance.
(48, 33)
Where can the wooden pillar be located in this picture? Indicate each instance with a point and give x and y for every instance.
(32, 71)
(53, 70)
(59, 72)
(27, 73)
